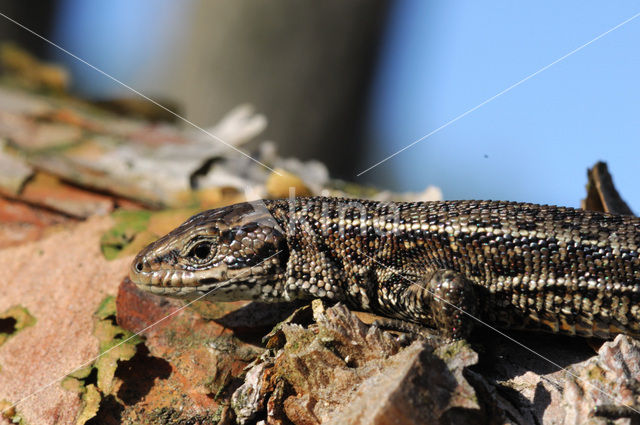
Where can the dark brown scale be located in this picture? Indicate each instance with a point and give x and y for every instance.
(514, 265)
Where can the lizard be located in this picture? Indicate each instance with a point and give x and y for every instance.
(422, 264)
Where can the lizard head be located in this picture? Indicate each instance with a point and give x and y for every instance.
(229, 253)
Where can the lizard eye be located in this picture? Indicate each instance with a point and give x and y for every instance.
(201, 251)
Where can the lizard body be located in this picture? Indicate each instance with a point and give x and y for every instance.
(512, 265)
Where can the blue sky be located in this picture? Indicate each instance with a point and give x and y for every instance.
(127, 39)
(439, 59)
(533, 143)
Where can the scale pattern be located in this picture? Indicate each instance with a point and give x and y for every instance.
(513, 265)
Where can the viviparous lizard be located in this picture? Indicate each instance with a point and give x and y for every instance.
(511, 265)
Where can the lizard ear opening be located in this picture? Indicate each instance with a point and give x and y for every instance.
(283, 253)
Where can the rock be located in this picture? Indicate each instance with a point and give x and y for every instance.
(60, 281)
(332, 371)
(205, 359)
(608, 380)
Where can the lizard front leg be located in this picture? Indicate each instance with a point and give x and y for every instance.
(438, 299)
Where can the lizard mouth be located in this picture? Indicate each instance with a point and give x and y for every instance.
(187, 283)
(220, 290)
(164, 278)
(175, 281)
(181, 284)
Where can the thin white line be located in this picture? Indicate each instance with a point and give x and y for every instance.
(501, 93)
(208, 133)
(122, 342)
(506, 336)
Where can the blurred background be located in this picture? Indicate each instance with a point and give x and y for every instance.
(351, 83)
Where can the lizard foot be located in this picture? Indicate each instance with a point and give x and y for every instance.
(445, 298)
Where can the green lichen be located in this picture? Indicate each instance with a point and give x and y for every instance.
(115, 343)
(595, 373)
(166, 415)
(301, 342)
(217, 383)
(90, 404)
(95, 381)
(127, 225)
(449, 351)
(9, 412)
(106, 308)
(13, 320)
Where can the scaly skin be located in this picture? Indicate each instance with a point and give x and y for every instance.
(513, 265)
